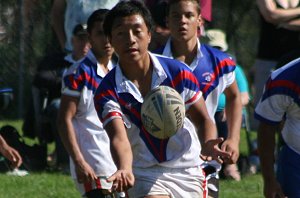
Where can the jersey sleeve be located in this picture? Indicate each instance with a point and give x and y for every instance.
(274, 103)
(272, 109)
(191, 91)
(74, 81)
(106, 103)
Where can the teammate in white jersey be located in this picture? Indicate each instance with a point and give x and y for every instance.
(213, 68)
(279, 103)
(162, 168)
(80, 129)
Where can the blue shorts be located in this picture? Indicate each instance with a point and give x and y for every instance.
(288, 172)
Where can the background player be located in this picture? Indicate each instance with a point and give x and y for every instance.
(80, 129)
(280, 103)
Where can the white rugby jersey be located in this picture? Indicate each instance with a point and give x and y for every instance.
(281, 101)
(81, 81)
(214, 71)
(117, 97)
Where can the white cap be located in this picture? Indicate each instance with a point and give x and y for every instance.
(217, 38)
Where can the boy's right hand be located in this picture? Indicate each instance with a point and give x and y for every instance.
(122, 180)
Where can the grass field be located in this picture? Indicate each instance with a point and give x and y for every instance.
(55, 185)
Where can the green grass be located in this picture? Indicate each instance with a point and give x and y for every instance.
(250, 186)
(38, 185)
(56, 185)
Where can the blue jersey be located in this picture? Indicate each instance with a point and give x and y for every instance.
(117, 97)
(281, 101)
(214, 71)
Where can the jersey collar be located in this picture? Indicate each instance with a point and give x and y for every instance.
(168, 52)
(126, 86)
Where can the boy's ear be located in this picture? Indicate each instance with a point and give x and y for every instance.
(150, 36)
(200, 20)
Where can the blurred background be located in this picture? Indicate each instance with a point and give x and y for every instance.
(26, 36)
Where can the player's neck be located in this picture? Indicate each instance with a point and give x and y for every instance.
(184, 51)
(139, 72)
(135, 69)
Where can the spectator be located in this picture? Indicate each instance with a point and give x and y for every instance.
(79, 127)
(162, 168)
(46, 90)
(217, 39)
(65, 14)
(280, 104)
(10, 153)
(279, 36)
(213, 69)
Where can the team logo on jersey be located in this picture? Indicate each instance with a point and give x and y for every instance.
(207, 77)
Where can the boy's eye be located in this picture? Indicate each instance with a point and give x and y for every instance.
(189, 15)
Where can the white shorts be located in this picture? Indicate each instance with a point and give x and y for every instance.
(173, 182)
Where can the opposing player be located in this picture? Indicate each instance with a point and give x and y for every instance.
(161, 168)
(279, 103)
(80, 129)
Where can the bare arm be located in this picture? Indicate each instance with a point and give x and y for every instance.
(275, 15)
(207, 132)
(58, 21)
(66, 130)
(266, 147)
(10, 153)
(293, 25)
(122, 155)
(245, 98)
(234, 119)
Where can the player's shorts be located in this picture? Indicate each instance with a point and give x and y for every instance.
(288, 171)
(212, 169)
(173, 182)
(99, 184)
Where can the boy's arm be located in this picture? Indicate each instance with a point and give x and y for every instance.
(275, 15)
(233, 111)
(68, 109)
(10, 153)
(266, 148)
(122, 155)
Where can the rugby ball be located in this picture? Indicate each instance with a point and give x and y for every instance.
(163, 112)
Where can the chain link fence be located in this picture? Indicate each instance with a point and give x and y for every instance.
(25, 37)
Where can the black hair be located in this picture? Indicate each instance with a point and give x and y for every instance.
(96, 16)
(124, 9)
(159, 12)
(196, 2)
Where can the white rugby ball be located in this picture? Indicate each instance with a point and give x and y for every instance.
(163, 112)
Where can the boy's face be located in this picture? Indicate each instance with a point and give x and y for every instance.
(81, 46)
(99, 42)
(130, 37)
(183, 20)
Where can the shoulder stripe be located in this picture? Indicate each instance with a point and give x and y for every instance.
(184, 75)
(222, 64)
